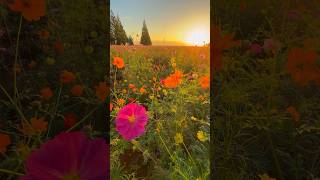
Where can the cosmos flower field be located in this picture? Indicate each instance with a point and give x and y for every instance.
(159, 106)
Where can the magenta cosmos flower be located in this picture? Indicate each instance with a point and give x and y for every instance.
(255, 49)
(69, 156)
(131, 121)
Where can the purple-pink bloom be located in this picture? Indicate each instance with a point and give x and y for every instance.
(293, 15)
(255, 49)
(69, 156)
(271, 45)
(131, 121)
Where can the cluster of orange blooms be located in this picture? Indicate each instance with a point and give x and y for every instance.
(67, 77)
(173, 80)
(302, 65)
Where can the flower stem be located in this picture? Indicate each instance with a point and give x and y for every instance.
(11, 172)
(15, 62)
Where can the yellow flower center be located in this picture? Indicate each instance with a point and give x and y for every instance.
(132, 119)
(71, 176)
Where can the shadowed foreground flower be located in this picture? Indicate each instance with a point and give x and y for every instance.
(301, 65)
(30, 9)
(204, 82)
(69, 156)
(67, 77)
(46, 93)
(265, 177)
(294, 113)
(4, 142)
(77, 90)
(36, 126)
(221, 42)
(102, 91)
(69, 120)
(131, 121)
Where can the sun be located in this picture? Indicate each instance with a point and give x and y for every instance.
(198, 37)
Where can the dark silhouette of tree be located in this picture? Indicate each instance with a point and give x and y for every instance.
(130, 40)
(117, 33)
(145, 38)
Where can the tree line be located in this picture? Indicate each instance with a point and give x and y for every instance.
(118, 35)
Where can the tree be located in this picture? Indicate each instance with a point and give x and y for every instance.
(117, 33)
(130, 40)
(112, 28)
(145, 38)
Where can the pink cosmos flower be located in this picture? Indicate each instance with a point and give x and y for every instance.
(131, 121)
(255, 49)
(271, 45)
(293, 15)
(69, 156)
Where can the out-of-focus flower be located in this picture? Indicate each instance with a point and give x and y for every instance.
(255, 48)
(220, 43)
(301, 65)
(31, 10)
(111, 106)
(46, 93)
(204, 82)
(36, 126)
(142, 90)
(58, 47)
(118, 62)
(102, 91)
(294, 113)
(69, 120)
(32, 64)
(77, 90)
(44, 34)
(67, 77)
(69, 156)
(265, 177)
(5, 141)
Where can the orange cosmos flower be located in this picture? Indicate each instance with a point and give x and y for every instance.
(301, 65)
(32, 64)
(30, 9)
(131, 86)
(44, 34)
(117, 61)
(111, 106)
(142, 90)
(67, 77)
(37, 125)
(294, 113)
(70, 120)
(5, 141)
(46, 93)
(220, 43)
(102, 91)
(77, 90)
(58, 47)
(121, 101)
(173, 80)
(204, 82)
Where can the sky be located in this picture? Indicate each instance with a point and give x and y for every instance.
(169, 22)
